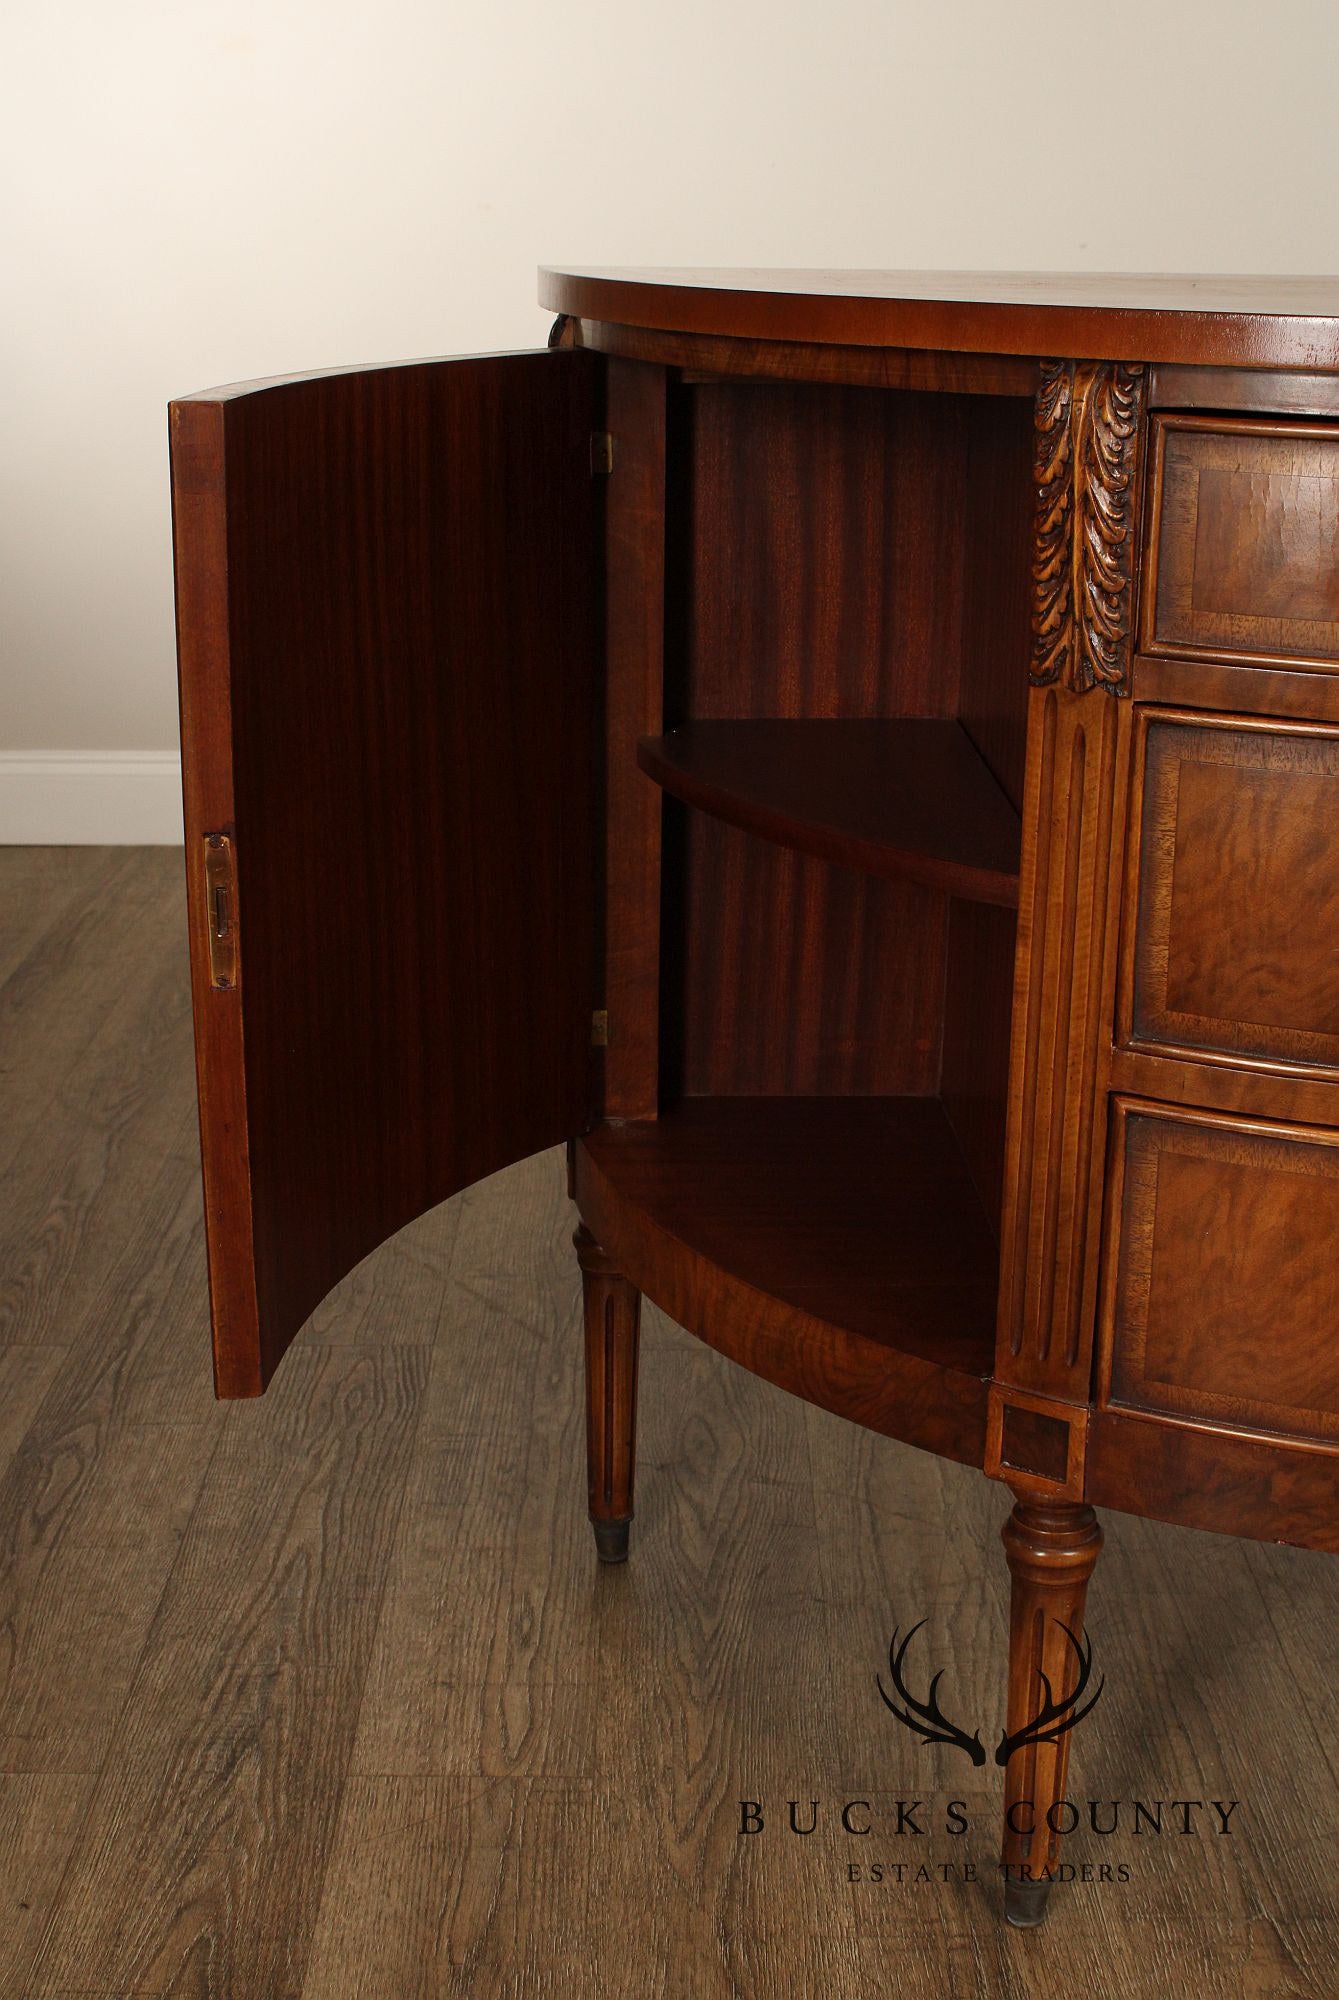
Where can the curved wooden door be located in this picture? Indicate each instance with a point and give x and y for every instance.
(386, 635)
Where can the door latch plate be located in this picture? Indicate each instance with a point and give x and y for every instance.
(221, 910)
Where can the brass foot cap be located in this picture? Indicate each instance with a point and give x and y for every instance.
(611, 1540)
(1025, 1901)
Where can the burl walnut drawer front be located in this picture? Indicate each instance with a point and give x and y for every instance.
(1231, 939)
(1244, 541)
(1221, 1291)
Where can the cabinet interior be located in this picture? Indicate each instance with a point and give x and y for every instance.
(850, 567)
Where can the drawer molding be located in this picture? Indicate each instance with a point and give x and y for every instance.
(1220, 1292)
(1243, 541)
(1230, 937)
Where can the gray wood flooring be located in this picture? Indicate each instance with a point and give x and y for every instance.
(324, 1697)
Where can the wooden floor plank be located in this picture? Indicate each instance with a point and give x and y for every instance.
(1299, 1600)
(481, 1900)
(492, 1516)
(713, 1647)
(93, 1151)
(200, 1865)
(37, 886)
(395, 1295)
(1251, 1723)
(85, 1566)
(889, 1564)
(95, 1497)
(110, 964)
(40, 1817)
(25, 1376)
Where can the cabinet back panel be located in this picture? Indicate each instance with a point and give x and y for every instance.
(796, 977)
(978, 1008)
(993, 708)
(819, 546)
(997, 586)
(834, 552)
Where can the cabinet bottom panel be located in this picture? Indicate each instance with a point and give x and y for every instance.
(835, 1246)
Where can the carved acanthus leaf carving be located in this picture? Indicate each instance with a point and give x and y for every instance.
(1052, 550)
(1089, 437)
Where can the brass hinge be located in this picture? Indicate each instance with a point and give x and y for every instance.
(601, 453)
(221, 910)
(599, 1028)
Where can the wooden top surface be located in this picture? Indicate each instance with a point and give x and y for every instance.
(1252, 322)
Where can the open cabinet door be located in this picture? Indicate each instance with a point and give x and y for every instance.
(387, 643)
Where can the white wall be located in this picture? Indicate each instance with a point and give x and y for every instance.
(203, 192)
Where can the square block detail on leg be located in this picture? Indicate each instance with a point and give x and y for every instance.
(1036, 1443)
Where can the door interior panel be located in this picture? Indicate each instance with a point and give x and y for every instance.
(389, 678)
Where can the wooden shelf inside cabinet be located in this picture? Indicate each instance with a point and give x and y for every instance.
(910, 796)
(834, 1245)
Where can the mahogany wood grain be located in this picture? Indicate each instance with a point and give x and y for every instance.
(1037, 1444)
(612, 1312)
(1210, 1477)
(1244, 540)
(1034, 1440)
(203, 561)
(997, 512)
(707, 356)
(1254, 1091)
(1221, 1295)
(805, 520)
(788, 974)
(1078, 758)
(634, 641)
(1238, 322)
(387, 680)
(822, 558)
(1238, 688)
(1237, 823)
(836, 1247)
(1248, 391)
(1051, 1549)
(909, 798)
(808, 522)
(974, 1057)
(997, 503)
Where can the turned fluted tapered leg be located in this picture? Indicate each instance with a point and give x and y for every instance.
(1051, 1548)
(613, 1320)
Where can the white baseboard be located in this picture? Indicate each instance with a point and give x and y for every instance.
(90, 798)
